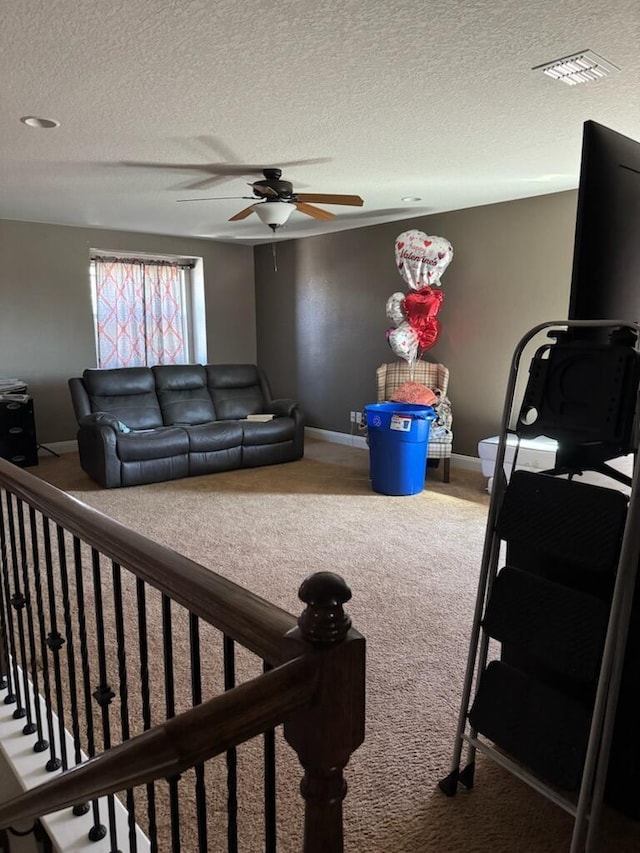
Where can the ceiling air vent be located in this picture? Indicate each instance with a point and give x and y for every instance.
(583, 67)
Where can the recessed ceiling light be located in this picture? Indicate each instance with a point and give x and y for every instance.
(35, 121)
(410, 198)
(583, 67)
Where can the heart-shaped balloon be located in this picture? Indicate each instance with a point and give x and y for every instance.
(395, 308)
(429, 334)
(420, 259)
(420, 305)
(404, 342)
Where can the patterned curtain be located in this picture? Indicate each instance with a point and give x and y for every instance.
(139, 313)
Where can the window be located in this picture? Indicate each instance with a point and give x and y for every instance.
(144, 311)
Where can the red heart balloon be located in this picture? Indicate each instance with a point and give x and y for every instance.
(421, 307)
(422, 304)
(428, 336)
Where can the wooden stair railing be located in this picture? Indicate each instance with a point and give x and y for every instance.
(255, 623)
(315, 683)
(177, 744)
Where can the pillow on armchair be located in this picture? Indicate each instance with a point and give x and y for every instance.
(414, 392)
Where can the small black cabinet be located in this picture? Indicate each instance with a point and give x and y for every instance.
(18, 441)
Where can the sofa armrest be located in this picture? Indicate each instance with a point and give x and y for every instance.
(103, 419)
(98, 448)
(282, 407)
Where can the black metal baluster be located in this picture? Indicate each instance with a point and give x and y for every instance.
(270, 843)
(4, 666)
(44, 842)
(71, 655)
(53, 763)
(169, 692)
(103, 694)
(41, 744)
(196, 694)
(18, 603)
(7, 655)
(232, 754)
(98, 830)
(116, 573)
(14, 695)
(55, 641)
(145, 693)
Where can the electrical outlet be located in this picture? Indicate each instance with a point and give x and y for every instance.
(358, 417)
(352, 417)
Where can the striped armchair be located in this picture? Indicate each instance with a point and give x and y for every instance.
(435, 376)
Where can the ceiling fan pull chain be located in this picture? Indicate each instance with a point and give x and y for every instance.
(273, 252)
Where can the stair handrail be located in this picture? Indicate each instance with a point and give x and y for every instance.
(172, 747)
(244, 616)
(316, 685)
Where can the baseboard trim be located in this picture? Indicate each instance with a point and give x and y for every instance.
(58, 447)
(337, 437)
(467, 463)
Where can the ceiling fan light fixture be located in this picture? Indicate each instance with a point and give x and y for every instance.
(274, 213)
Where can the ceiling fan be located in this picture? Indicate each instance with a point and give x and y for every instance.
(274, 201)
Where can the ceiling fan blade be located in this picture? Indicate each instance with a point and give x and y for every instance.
(325, 198)
(217, 198)
(219, 169)
(188, 167)
(316, 212)
(240, 169)
(243, 214)
(205, 183)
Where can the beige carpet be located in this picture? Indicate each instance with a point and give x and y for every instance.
(412, 563)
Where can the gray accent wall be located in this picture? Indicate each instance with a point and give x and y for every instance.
(317, 324)
(321, 317)
(46, 324)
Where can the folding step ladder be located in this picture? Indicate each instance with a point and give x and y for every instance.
(558, 709)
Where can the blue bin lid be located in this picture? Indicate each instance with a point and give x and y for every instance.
(412, 409)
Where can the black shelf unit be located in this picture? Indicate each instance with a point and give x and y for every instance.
(18, 441)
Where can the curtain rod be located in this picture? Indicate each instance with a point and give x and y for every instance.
(148, 261)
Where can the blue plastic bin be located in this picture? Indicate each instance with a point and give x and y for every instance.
(398, 434)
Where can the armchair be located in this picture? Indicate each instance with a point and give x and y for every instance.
(436, 377)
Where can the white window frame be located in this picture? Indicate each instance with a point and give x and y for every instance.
(192, 292)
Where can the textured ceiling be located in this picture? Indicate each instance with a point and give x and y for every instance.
(382, 99)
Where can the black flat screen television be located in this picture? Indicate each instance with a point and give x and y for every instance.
(605, 282)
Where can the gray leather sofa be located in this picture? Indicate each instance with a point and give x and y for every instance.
(148, 424)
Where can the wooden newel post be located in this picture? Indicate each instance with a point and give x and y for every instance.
(325, 736)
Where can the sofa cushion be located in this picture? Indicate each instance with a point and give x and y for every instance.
(271, 432)
(236, 390)
(214, 436)
(127, 393)
(182, 394)
(156, 444)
